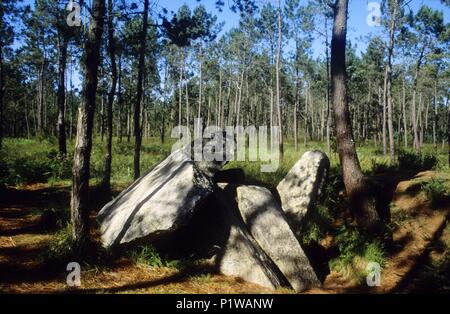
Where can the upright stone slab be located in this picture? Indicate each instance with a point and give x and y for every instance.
(301, 186)
(159, 202)
(267, 224)
(240, 255)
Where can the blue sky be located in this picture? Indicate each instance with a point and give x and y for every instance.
(357, 23)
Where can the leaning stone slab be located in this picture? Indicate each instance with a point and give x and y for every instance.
(267, 224)
(301, 186)
(158, 203)
(240, 255)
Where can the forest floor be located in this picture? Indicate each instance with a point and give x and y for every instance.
(419, 260)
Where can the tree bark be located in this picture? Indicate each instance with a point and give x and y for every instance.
(106, 181)
(40, 102)
(388, 80)
(1, 90)
(139, 98)
(62, 60)
(327, 55)
(361, 202)
(435, 115)
(413, 102)
(80, 170)
(448, 131)
(278, 64)
(405, 123)
(200, 100)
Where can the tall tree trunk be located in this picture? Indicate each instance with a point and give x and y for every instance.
(296, 103)
(388, 79)
(384, 125)
(106, 181)
(405, 123)
(356, 187)
(80, 171)
(180, 97)
(1, 90)
(139, 98)
(306, 113)
(448, 130)
(278, 65)
(27, 123)
(435, 115)
(101, 125)
(421, 118)
(40, 102)
(200, 100)
(62, 60)
(120, 101)
(413, 102)
(327, 55)
(221, 103)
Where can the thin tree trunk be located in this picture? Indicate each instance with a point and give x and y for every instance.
(80, 181)
(1, 89)
(327, 55)
(180, 97)
(405, 123)
(139, 93)
(27, 123)
(306, 113)
(40, 102)
(435, 116)
(199, 113)
(102, 114)
(388, 81)
(355, 184)
(413, 103)
(384, 124)
(106, 180)
(278, 64)
(448, 131)
(221, 105)
(120, 101)
(62, 59)
(420, 122)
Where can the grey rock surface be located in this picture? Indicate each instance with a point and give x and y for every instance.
(159, 202)
(301, 187)
(267, 224)
(241, 256)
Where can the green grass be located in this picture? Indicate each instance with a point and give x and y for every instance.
(60, 247)
(436, 191)
(148, 255)
(24, 161)
(356, 251)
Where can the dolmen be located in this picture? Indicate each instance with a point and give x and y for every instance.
(252, 233)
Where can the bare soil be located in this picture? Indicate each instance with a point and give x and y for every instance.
(421, 240)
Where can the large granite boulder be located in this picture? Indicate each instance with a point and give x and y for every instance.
(159, 202)
(240, 255)
(266, 222)
(301, 187)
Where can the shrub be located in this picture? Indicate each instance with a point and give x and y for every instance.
(61, 166)
(61, 245)
(147, 255)
(375, 252)
(435, 190)
(353, 244)
(380, 166)
(416, 161)
(26, 161)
